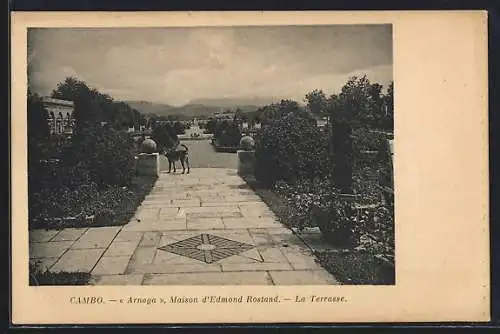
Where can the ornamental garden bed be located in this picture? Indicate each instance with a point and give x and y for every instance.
(368, 262)
(87, 206)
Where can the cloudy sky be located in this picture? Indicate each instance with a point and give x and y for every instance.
(176, 65)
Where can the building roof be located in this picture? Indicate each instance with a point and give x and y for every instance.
(50, 100)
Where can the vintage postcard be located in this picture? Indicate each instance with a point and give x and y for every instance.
(233, 167)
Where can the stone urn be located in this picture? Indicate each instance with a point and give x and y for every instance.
(247, 143)
(148, 161)
(246, 156)
(148, 146)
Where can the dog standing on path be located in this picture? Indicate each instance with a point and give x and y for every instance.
(178, 153)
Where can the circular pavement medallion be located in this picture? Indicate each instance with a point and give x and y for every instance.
(206, 247)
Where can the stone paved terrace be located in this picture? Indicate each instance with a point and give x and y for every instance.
(205, 228)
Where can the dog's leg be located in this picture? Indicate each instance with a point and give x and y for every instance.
(187, 163)
(173, 163)
(183, 167)
(169, 166)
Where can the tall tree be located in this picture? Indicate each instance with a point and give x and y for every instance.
(38, 127)
(388, 99)
(87, 105)
(347, 110)
(317, 102)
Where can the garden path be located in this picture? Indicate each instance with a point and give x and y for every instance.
(205, 228)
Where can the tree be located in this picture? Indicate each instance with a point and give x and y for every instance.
(375, 115)
(164, 136)
(93, 107)
(179, 128)
(38, 131)
(347, 110)
(238, 116)
(276, 111)
(87, 106)
(211, 125)
(317, 102)
(38, 126)
(388, 113)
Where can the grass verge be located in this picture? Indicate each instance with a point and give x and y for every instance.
(40, 277)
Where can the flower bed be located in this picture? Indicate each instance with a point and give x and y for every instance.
(87, 205)
(362, 224)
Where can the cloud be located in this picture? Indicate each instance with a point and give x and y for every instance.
(176, 65)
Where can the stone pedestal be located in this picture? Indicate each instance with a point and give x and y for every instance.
(148, 164)
(246, 161)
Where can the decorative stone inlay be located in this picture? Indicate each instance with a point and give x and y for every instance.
(207, 248)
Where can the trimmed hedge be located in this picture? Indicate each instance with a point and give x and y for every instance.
(227, 134)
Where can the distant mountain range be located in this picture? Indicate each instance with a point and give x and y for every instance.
(200, 107)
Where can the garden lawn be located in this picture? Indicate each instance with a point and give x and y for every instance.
(90, 207)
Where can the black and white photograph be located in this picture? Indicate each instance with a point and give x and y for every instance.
(218, 155)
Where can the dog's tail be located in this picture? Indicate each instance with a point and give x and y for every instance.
(185, 147)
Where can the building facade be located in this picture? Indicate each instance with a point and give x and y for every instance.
(61, 119)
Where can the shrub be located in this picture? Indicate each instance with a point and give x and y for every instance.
(302, 196)
(41, 276)
(227, 134)
(179, 128)
(358, 268)
(107, 154)
(366, 140)
(289, 149)
(318, 203)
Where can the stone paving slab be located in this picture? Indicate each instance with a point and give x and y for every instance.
(205, 224)
(69, 234)
(111, 265)
(263, 266)
(96, 238)
(150, 239)
(118, 279)
(78, 260)
(233, 239)
(49, 249)
(125, 235)
(302, 277)
(234, 278)
(142, 256)
(42, 235)
(122, 248)
(164, 268)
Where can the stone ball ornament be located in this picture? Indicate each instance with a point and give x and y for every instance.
(148, 146)
(247, 143)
